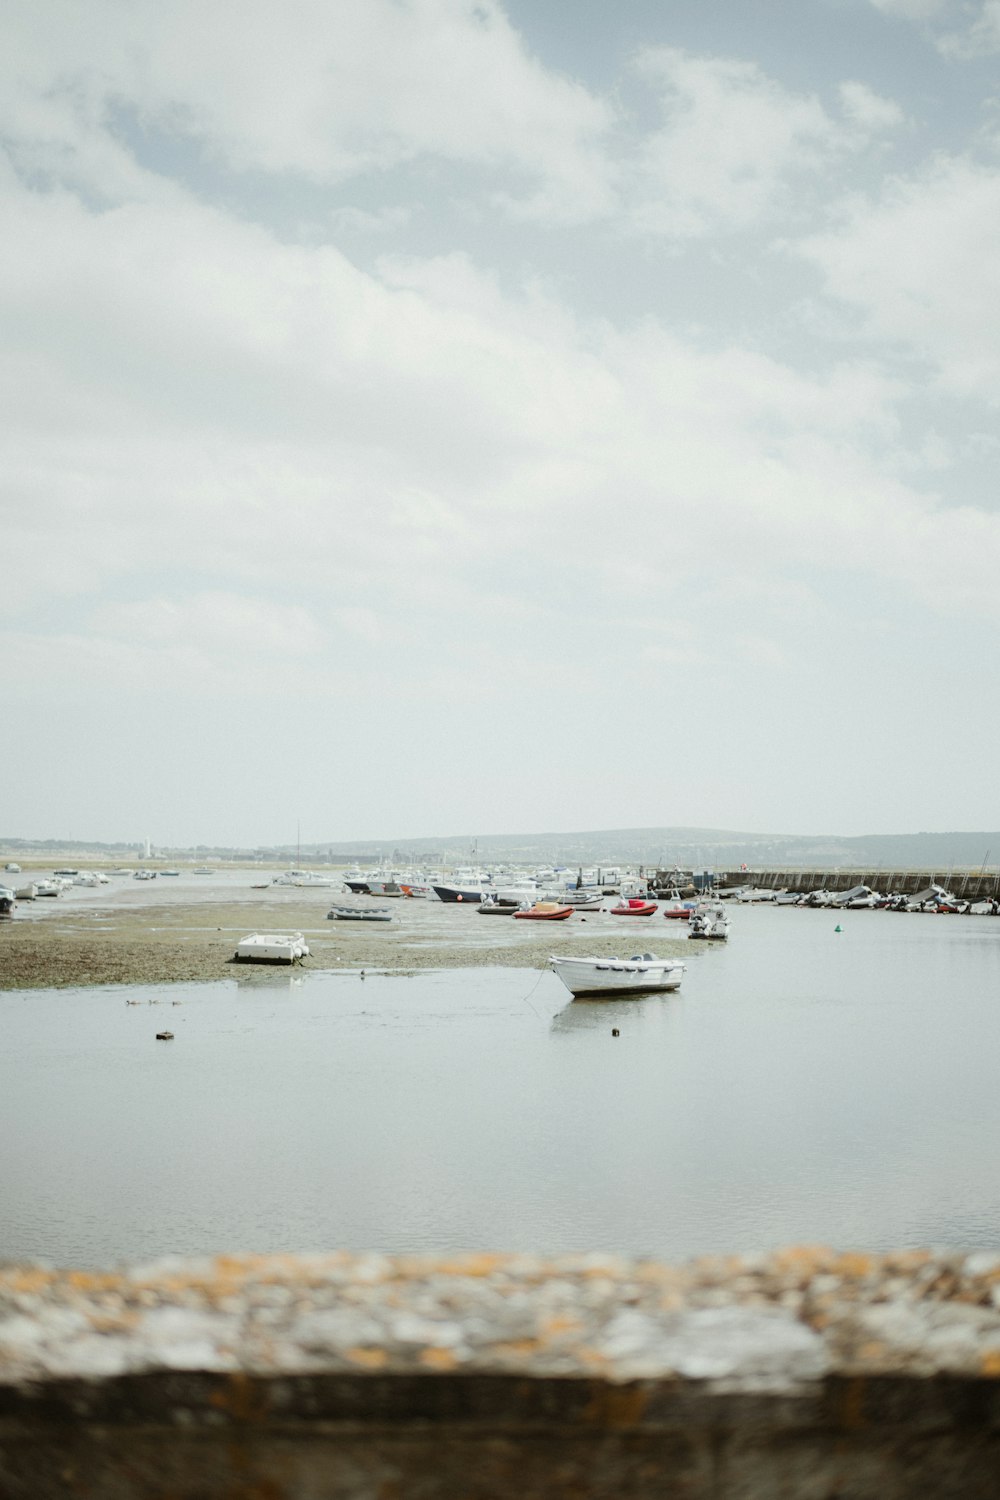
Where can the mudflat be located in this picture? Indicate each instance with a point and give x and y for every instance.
(114, 937)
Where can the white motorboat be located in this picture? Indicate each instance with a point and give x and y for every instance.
(6, 900)
(858, 898)
(710, 922)
(641, 975)
(584, 900)
(271, 948)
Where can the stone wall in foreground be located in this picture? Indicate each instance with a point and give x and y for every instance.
(806, 1375)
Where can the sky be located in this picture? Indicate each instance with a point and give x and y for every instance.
(454, 416)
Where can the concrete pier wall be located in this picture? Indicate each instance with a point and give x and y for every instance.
(806, 1374)
(968, 884)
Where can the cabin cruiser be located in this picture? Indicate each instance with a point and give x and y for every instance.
(642, 974)
(710, 922)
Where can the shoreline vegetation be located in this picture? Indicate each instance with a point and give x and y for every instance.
(103, 943)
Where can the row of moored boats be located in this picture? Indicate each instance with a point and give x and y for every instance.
(934, 898)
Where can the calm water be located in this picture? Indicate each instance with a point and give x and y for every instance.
(804, 1085)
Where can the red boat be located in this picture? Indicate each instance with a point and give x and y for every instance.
(545, 911)
(635, 906)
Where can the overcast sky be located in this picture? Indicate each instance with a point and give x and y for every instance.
(444, 416)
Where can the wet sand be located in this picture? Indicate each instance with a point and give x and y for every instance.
(124, 935)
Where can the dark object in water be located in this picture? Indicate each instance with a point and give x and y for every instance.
(164, 1036)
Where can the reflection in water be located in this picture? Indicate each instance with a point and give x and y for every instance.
(587, 1013)
(268, 977)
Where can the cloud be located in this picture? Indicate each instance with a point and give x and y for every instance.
(912, 10)
(918, 265)
(735, 144)
(961, 29)
(981, 38)
(321, 92)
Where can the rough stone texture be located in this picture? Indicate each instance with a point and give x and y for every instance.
(802, 1374)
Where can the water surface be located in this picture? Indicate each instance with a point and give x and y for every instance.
(803, 1085)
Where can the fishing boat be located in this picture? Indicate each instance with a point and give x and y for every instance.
(271, 948)
(359, 914)
(633, 906)
(497, 906)
(643, 974)
(584, 900)
(545, 911)
(709, 922)
(470, 892)
(7, 899)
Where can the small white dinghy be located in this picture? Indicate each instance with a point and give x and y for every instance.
(271, 948)
(641, 975)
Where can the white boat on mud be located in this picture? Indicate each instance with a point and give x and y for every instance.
(271, 948)
(607, 977)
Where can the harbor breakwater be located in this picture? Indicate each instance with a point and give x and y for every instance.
(805, 1373)
(970, 885)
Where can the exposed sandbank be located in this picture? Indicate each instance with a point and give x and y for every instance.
(107, 942)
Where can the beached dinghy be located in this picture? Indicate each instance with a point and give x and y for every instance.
(634, 906)
(545, 911)
(608, 977)
(271, 948)
(359, 914)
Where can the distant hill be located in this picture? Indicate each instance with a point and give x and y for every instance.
(696, 848)
(688, 848)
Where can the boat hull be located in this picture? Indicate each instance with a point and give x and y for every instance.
(271, 948)
(559, 915)
(607, 978)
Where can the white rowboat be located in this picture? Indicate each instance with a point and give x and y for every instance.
(641, 975)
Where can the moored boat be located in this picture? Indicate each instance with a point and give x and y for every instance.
(496, 906)
(634, 906)
(473, 893)
(359, 914)
(709, 922)
(545, 911)
(584, 900)
(643, 974)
